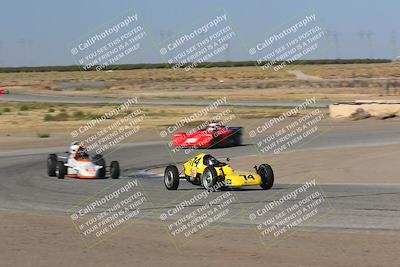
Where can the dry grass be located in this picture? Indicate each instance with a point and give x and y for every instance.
(235, 82)
(69, 117)
(352, 71)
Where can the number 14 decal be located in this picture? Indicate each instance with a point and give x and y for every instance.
(248, 177)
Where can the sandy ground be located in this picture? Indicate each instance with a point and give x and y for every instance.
(301, 76)
(42, 240)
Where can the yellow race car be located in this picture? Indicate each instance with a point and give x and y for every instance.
(207, 171)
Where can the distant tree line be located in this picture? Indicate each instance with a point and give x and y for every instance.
(200, 65)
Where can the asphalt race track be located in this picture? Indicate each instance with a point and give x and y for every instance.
(24, 184)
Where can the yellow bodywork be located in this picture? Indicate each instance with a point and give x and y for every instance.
(195, 168)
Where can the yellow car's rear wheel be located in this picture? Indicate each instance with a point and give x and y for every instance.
(209, 178)
(171, 177)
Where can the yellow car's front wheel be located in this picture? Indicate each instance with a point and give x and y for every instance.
(267, 176)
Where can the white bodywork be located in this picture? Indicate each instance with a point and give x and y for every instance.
(81, 168)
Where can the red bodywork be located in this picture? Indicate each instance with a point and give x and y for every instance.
(223, 136)
(3, 91)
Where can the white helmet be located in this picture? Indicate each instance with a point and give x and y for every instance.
(213, 125)
(74, 146)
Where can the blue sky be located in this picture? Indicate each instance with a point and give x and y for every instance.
(35, 33)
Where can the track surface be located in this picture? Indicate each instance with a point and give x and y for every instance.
(24, 184)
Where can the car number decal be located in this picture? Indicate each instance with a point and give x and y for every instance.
(195, 161)
(248, 177)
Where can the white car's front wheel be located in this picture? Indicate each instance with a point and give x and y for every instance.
(61, 170)
(52, 165)
(114, 170)
(99, 160)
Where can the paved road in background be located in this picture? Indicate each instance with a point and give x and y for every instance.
(182, 102)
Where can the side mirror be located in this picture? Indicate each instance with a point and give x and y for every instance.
(256, 168)
(228, 159)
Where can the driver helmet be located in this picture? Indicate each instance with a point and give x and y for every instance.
(74, 146)
(81, 153)
(212, 126)
(209, 160)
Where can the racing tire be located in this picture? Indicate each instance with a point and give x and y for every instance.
(238, 139)
(114, 170)
(267, 176)
(235, 140)
(209, 178)
(61, 170)
(52, 165)
(171, 177)
(99, 160)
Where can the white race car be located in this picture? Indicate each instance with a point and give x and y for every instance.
(79, 164)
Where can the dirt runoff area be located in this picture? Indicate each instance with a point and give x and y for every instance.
(48, 240)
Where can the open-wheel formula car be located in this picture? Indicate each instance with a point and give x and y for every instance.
(205, 170)
(4, 91)
(79, 164)
(214, 135)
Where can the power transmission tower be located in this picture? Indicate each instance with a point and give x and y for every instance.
(227, 51)
(369, 36)
(1, 49)
(393, 42)
(334, 37)
(29, 46)
(22, 44)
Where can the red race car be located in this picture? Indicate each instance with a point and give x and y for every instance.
(214, 135)
(3, 91)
